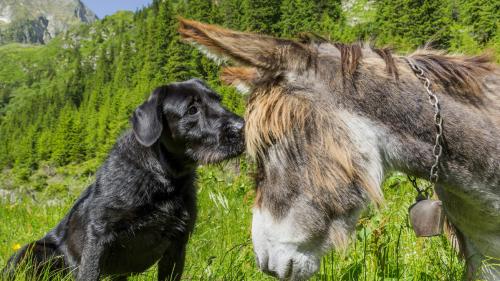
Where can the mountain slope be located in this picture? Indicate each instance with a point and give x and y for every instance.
(38, 21)
(67, 101)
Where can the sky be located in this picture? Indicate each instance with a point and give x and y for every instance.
(103, 8)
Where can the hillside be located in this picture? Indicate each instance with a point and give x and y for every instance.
(66, 102)
(38, 21)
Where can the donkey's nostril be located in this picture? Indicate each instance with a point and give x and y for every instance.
(263, 263)
(271, 273)
(289, 270)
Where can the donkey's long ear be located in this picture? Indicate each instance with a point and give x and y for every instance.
(248, 48)
(147, 119)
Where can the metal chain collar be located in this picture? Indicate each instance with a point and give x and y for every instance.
(437, 150)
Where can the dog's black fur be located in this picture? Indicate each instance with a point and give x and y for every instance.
(142, 206)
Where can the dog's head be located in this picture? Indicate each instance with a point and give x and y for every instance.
(187, 118)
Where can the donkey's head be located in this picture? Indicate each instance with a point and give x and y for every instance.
(316, 168)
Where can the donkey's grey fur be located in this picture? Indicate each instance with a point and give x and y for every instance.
(326, 122)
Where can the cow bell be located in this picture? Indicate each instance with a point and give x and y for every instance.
(427, 217)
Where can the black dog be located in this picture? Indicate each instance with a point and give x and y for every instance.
(142, 206)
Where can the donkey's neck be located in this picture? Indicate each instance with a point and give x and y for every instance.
(399, 122)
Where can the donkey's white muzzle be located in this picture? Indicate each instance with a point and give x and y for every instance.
(276, 246)
(287, 266)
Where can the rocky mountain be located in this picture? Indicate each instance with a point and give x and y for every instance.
(38, 21)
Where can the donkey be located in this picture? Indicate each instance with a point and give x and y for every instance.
(325, 122)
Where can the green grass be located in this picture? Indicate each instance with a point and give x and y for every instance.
(383, 248)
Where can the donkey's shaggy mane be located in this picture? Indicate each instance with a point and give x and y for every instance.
(460, 76)
(386, 55)
(350, 57)
(274, 115)
(457, 75)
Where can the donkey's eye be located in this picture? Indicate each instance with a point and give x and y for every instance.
(192, 110)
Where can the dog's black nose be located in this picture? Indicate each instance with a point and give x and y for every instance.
(239, 125)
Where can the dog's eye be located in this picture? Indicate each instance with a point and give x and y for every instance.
(192, 110)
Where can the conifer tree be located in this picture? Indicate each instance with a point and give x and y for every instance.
(62, 141)
(198, 9)
(297, 16)
(231, 13)
(180, 65)
(413, 23)
(162, 34)
(261, 15)
(332, 8)
(482, 16)
(75, 87)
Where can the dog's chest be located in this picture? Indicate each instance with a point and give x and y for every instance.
(149, 233)
(135, 252)
(168, 218)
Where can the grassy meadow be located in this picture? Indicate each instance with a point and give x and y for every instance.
(383, 248)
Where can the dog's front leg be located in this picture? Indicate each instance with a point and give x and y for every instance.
(89, 268)
(171, 265)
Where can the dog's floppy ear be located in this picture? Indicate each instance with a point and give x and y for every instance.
(147, 119)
